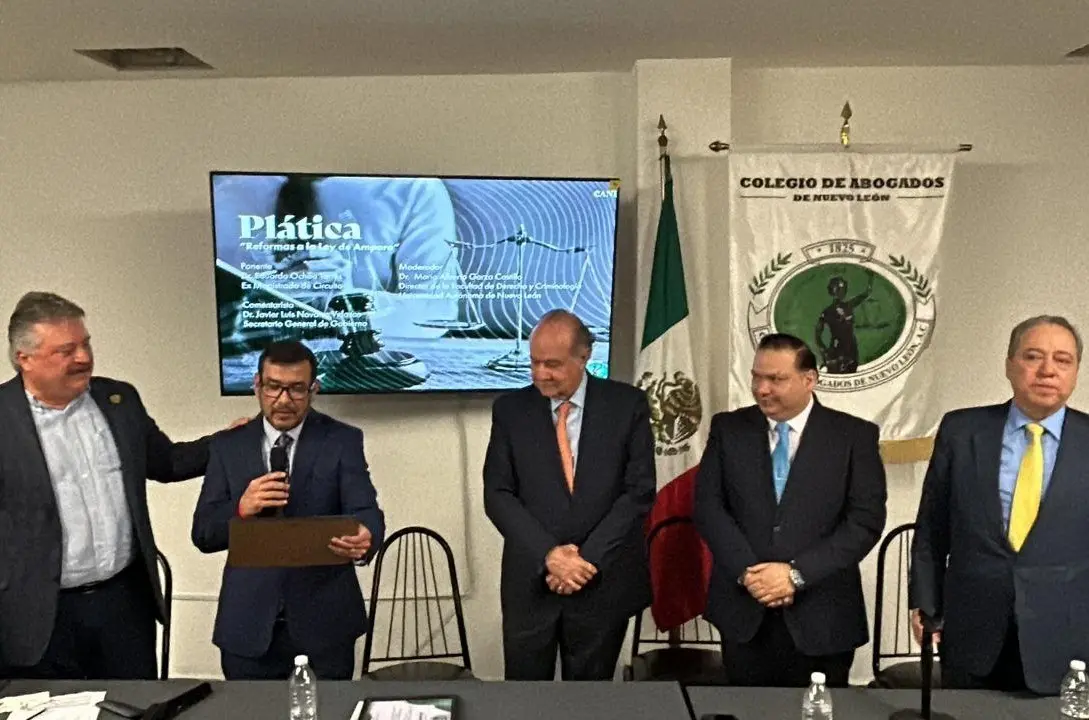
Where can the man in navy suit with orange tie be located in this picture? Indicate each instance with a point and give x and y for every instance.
(267, 616)
(568, 482)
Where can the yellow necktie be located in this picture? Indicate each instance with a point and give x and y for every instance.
(1029, 488)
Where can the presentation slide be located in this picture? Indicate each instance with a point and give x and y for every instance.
(408, 284)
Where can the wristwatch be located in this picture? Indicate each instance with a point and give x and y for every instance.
(796, 578)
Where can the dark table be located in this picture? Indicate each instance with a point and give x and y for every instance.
(336, 700)
(866, 704)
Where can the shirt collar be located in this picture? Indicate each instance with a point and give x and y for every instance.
(273, 434)
(1053, 423)
(37, 405)
(796, 423)
(578, 398)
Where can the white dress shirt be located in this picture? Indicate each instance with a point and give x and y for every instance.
(272, 435)
(574, 417)
(85, 470)
(797, 426)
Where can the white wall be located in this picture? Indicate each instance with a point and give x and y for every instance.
(104, 193)
(1018, 219)
(103, 197)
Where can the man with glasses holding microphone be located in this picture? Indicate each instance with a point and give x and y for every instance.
(294, 461)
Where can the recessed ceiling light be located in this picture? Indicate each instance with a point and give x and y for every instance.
(161, 58)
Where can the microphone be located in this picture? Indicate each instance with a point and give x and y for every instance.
(927, 669)
(277, 462)
(166, 710)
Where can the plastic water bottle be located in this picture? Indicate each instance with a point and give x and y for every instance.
(1074, 692)
(817, 703)
(303, 690)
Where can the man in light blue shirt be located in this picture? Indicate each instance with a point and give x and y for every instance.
(1015, 440)
(1000, 557)
(79, 585)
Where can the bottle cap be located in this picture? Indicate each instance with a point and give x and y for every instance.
(301, 660)
(1078, 665)
(817, 678)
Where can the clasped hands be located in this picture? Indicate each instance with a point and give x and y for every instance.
(568, 572)
(770, 584)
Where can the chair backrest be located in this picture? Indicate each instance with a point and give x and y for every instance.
(697, 632)
(166, 576)
(409, 616)
(679, 588)
(892, 635)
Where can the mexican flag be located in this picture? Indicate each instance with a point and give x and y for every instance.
(665, 368)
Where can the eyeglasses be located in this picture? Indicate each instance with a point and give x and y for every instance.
(273, 390)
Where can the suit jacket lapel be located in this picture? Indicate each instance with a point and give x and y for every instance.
(25, 433)
(987, 449)
(110, 404)
(545, 423)
(761, 456)
(592, 419)
(253, 459)
(311, 442)
(1075, 437)
(816, 435)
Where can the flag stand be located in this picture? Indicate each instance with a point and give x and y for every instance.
(844, 143)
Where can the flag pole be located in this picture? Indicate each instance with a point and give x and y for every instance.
(663, 155)
(717, 146)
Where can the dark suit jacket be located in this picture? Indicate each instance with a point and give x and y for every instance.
(1046, 585)
(30, 529)
(526, 497)
(831, 515)
(329, 476)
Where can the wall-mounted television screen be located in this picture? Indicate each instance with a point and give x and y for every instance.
(408, 284)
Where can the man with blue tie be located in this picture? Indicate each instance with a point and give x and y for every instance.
(790, 497)
(1000, 558)
(568, 482)
(298, 462)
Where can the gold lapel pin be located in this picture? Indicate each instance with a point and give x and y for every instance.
(115, 399)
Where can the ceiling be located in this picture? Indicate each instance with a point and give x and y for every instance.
(255, 38)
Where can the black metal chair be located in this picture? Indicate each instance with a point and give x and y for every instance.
(415, 609)
(900, 666)
(166, 576)
(690, 653)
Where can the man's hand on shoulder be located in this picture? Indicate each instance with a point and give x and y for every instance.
(239, 422)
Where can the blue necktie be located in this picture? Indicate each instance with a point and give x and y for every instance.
(780, 459)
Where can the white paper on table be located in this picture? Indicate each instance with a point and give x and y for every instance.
(404, 710)
(73, 706)
(18, 702)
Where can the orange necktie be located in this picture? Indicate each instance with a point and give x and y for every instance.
(565, 444)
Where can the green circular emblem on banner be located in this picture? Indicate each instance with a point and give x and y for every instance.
(848, 314)
(867, 316)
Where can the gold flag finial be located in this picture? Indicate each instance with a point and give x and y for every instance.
(845, 129)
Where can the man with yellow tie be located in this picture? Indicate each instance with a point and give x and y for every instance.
(1000, 558)
(568, 482)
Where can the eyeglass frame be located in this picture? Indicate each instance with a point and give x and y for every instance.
(306, 392)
